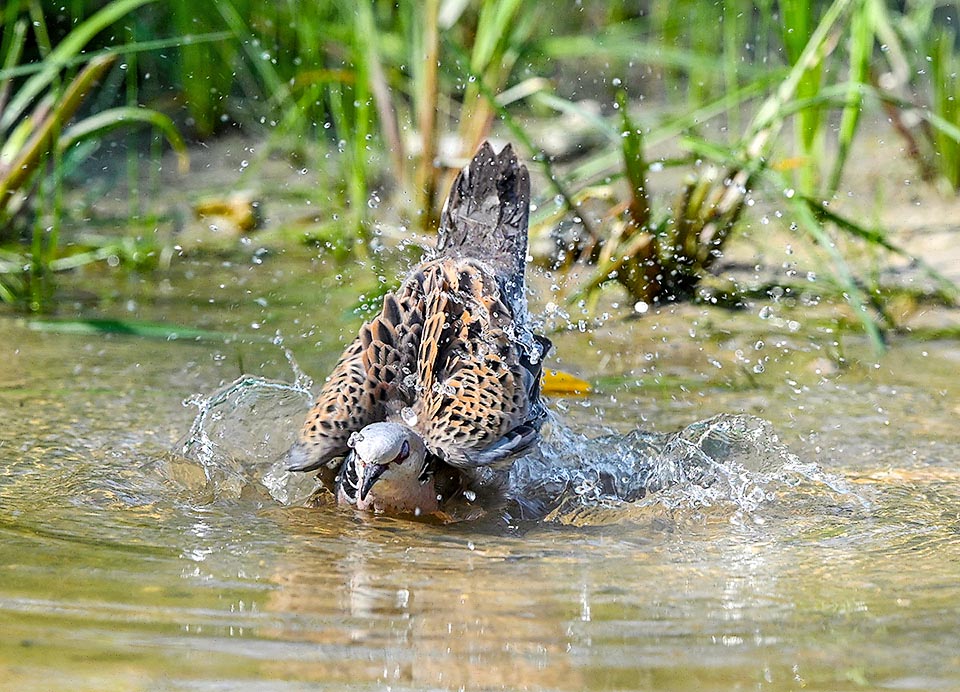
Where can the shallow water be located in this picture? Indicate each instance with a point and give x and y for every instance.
(123, 566)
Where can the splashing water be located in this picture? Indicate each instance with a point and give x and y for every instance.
(239, 436)
(732, 463)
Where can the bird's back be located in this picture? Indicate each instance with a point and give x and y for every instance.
(452, 354)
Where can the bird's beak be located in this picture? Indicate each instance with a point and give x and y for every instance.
(370, 475)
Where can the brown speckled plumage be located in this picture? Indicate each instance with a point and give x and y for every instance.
(451, 355)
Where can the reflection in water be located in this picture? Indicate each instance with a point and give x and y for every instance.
(430, 611)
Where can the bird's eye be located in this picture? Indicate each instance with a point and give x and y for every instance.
(404, 452)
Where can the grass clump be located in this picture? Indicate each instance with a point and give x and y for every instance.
(661, 255)
(41, 139)
(398, 95)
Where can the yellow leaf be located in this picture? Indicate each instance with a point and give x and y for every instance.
(790, 164)
(559, 382)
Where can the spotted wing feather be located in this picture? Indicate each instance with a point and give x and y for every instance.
(480, 399)
(368, 376)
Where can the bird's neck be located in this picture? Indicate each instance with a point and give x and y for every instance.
(400, 491)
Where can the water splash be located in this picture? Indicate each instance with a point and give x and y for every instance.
(730, 463)
(239, 435)
(734, 463)
(301, 380)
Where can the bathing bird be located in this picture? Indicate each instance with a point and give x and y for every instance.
(439, 393)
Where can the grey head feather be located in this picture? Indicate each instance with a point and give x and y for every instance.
(379, 443)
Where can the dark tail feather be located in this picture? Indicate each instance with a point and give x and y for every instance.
(487, 212)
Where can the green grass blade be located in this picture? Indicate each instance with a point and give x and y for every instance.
(493, 27)
(59, 57)
(13, 50)
(121, 49)
(123, 116)
(29, 159)
(797, 28)
(769, 116)
(942, 125)
(861, 50)
(634, 166)
(875, 236)
(854, 294)
(944, 104)
(272, 82)
(39, 22)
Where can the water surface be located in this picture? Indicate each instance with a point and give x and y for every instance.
(124, 567)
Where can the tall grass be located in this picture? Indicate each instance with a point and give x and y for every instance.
(403, 92)
(39, 133)
(661, 255)
(916, 82)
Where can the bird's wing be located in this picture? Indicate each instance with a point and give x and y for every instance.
(452, 344)
(479, 400)
(370, 373)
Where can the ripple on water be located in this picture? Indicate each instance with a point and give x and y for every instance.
(201, 571)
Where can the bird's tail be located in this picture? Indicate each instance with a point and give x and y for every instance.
(487, 212)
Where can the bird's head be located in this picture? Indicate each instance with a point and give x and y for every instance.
(390, 455)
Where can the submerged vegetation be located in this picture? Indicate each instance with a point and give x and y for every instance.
(393, 96)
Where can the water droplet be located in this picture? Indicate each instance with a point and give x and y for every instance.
(408, 416)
